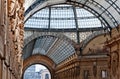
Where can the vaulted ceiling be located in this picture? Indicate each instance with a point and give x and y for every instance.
(108, 11)
(56, 47)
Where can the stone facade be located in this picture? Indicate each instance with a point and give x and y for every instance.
(114, 46)
(83, 68)
(11, 38)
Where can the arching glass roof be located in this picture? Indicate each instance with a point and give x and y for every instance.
(53, 47)
(63, 17)
(108, 11)
(70, 20)
(50, 28)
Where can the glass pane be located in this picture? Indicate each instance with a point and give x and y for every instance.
(42, 13)
(33, 23)
(62, 12)
(62, 17)
(39, 19)
(62, 24)
(89, 23)
(83, 13)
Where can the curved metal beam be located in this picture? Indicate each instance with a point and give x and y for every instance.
(107, 14)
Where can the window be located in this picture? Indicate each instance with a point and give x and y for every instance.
(86, 74)
(104, 74)
(46, 76)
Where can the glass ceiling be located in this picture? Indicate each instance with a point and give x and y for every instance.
(63, 17)
(108, 11)
(74, 22)
(55, 48)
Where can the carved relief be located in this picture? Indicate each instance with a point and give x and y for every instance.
(16, 31)
(12, 7)
(20, 13)
(13, 24)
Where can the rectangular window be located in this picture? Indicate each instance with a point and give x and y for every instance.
(104, 74)
(86, 74)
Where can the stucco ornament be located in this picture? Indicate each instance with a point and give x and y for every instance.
(12, 7)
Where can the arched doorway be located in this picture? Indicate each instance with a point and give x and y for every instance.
(37, 71)
(39, 60)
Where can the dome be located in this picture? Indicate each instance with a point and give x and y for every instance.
(63, 18)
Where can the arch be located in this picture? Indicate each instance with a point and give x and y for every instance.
(92, 36)
(60, 40)
(36, 35)
(101, 9)
(94, 44)
(39, 59)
